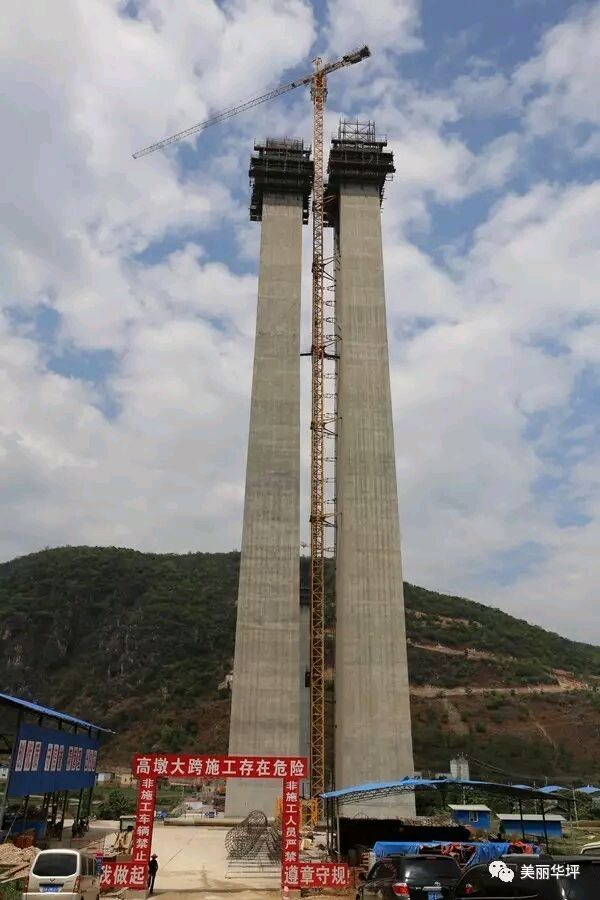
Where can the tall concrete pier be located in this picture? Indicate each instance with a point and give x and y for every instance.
(373, 739)
(265, 697)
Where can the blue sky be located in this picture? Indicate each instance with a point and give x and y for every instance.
(129, 287)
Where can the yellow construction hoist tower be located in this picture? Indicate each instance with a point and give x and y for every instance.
(323, 413)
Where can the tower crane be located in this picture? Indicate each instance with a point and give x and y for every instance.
(321, 515)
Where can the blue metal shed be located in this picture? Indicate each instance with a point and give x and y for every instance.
(40, 767)
(532, 824)
(45, 711)
(475, 815)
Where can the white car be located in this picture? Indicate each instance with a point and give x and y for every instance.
(70, 873)
(591, 849)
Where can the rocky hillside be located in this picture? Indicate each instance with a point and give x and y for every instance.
(140, 642)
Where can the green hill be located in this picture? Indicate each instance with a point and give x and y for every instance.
(140, 642)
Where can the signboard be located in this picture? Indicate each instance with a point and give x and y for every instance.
(180, 766)
(144, 821)
(49, 760)
(290, 823)
(316, 875)
(291, 771)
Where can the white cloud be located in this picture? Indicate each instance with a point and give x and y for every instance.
(384, 25)
(539, 251)
(562, 83)
(484, 93)
(417, 289)
(428, 161)
(77, 209)
(585, 344)
(464, 392)
(467, 338)
(493, 166)
(74, 111)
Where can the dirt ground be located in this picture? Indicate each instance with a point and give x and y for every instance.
(232, 894)
(194, 860)
(193, 866)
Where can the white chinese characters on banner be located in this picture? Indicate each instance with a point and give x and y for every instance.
(316, 875)
(20, 756)
(180, 766)
(122, 875)
(290, 822)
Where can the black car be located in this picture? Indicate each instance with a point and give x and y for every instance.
(548, 880)
(420, 877)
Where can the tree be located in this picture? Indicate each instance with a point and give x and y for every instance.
(116, 805)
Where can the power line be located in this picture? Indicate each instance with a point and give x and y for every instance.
(578, 776)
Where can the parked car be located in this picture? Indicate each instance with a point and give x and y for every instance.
(70, 873)
(420, 877)
(591, 849)
(478, 882)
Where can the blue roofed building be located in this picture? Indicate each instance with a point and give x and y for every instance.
(474, 815)
(533, 823)
(45, 753)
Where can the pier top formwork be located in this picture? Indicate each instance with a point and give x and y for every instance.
(357, 156)
(280, 166)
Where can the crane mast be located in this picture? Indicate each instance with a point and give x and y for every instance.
(322, 508)
(322, 513)
(318, 520)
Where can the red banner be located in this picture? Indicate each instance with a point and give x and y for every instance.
(315, 875)
(124, 875)
(144, 820)
(182, 766)
(290, 822)
(134, 874)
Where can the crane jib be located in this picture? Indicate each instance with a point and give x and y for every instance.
(349, 59)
